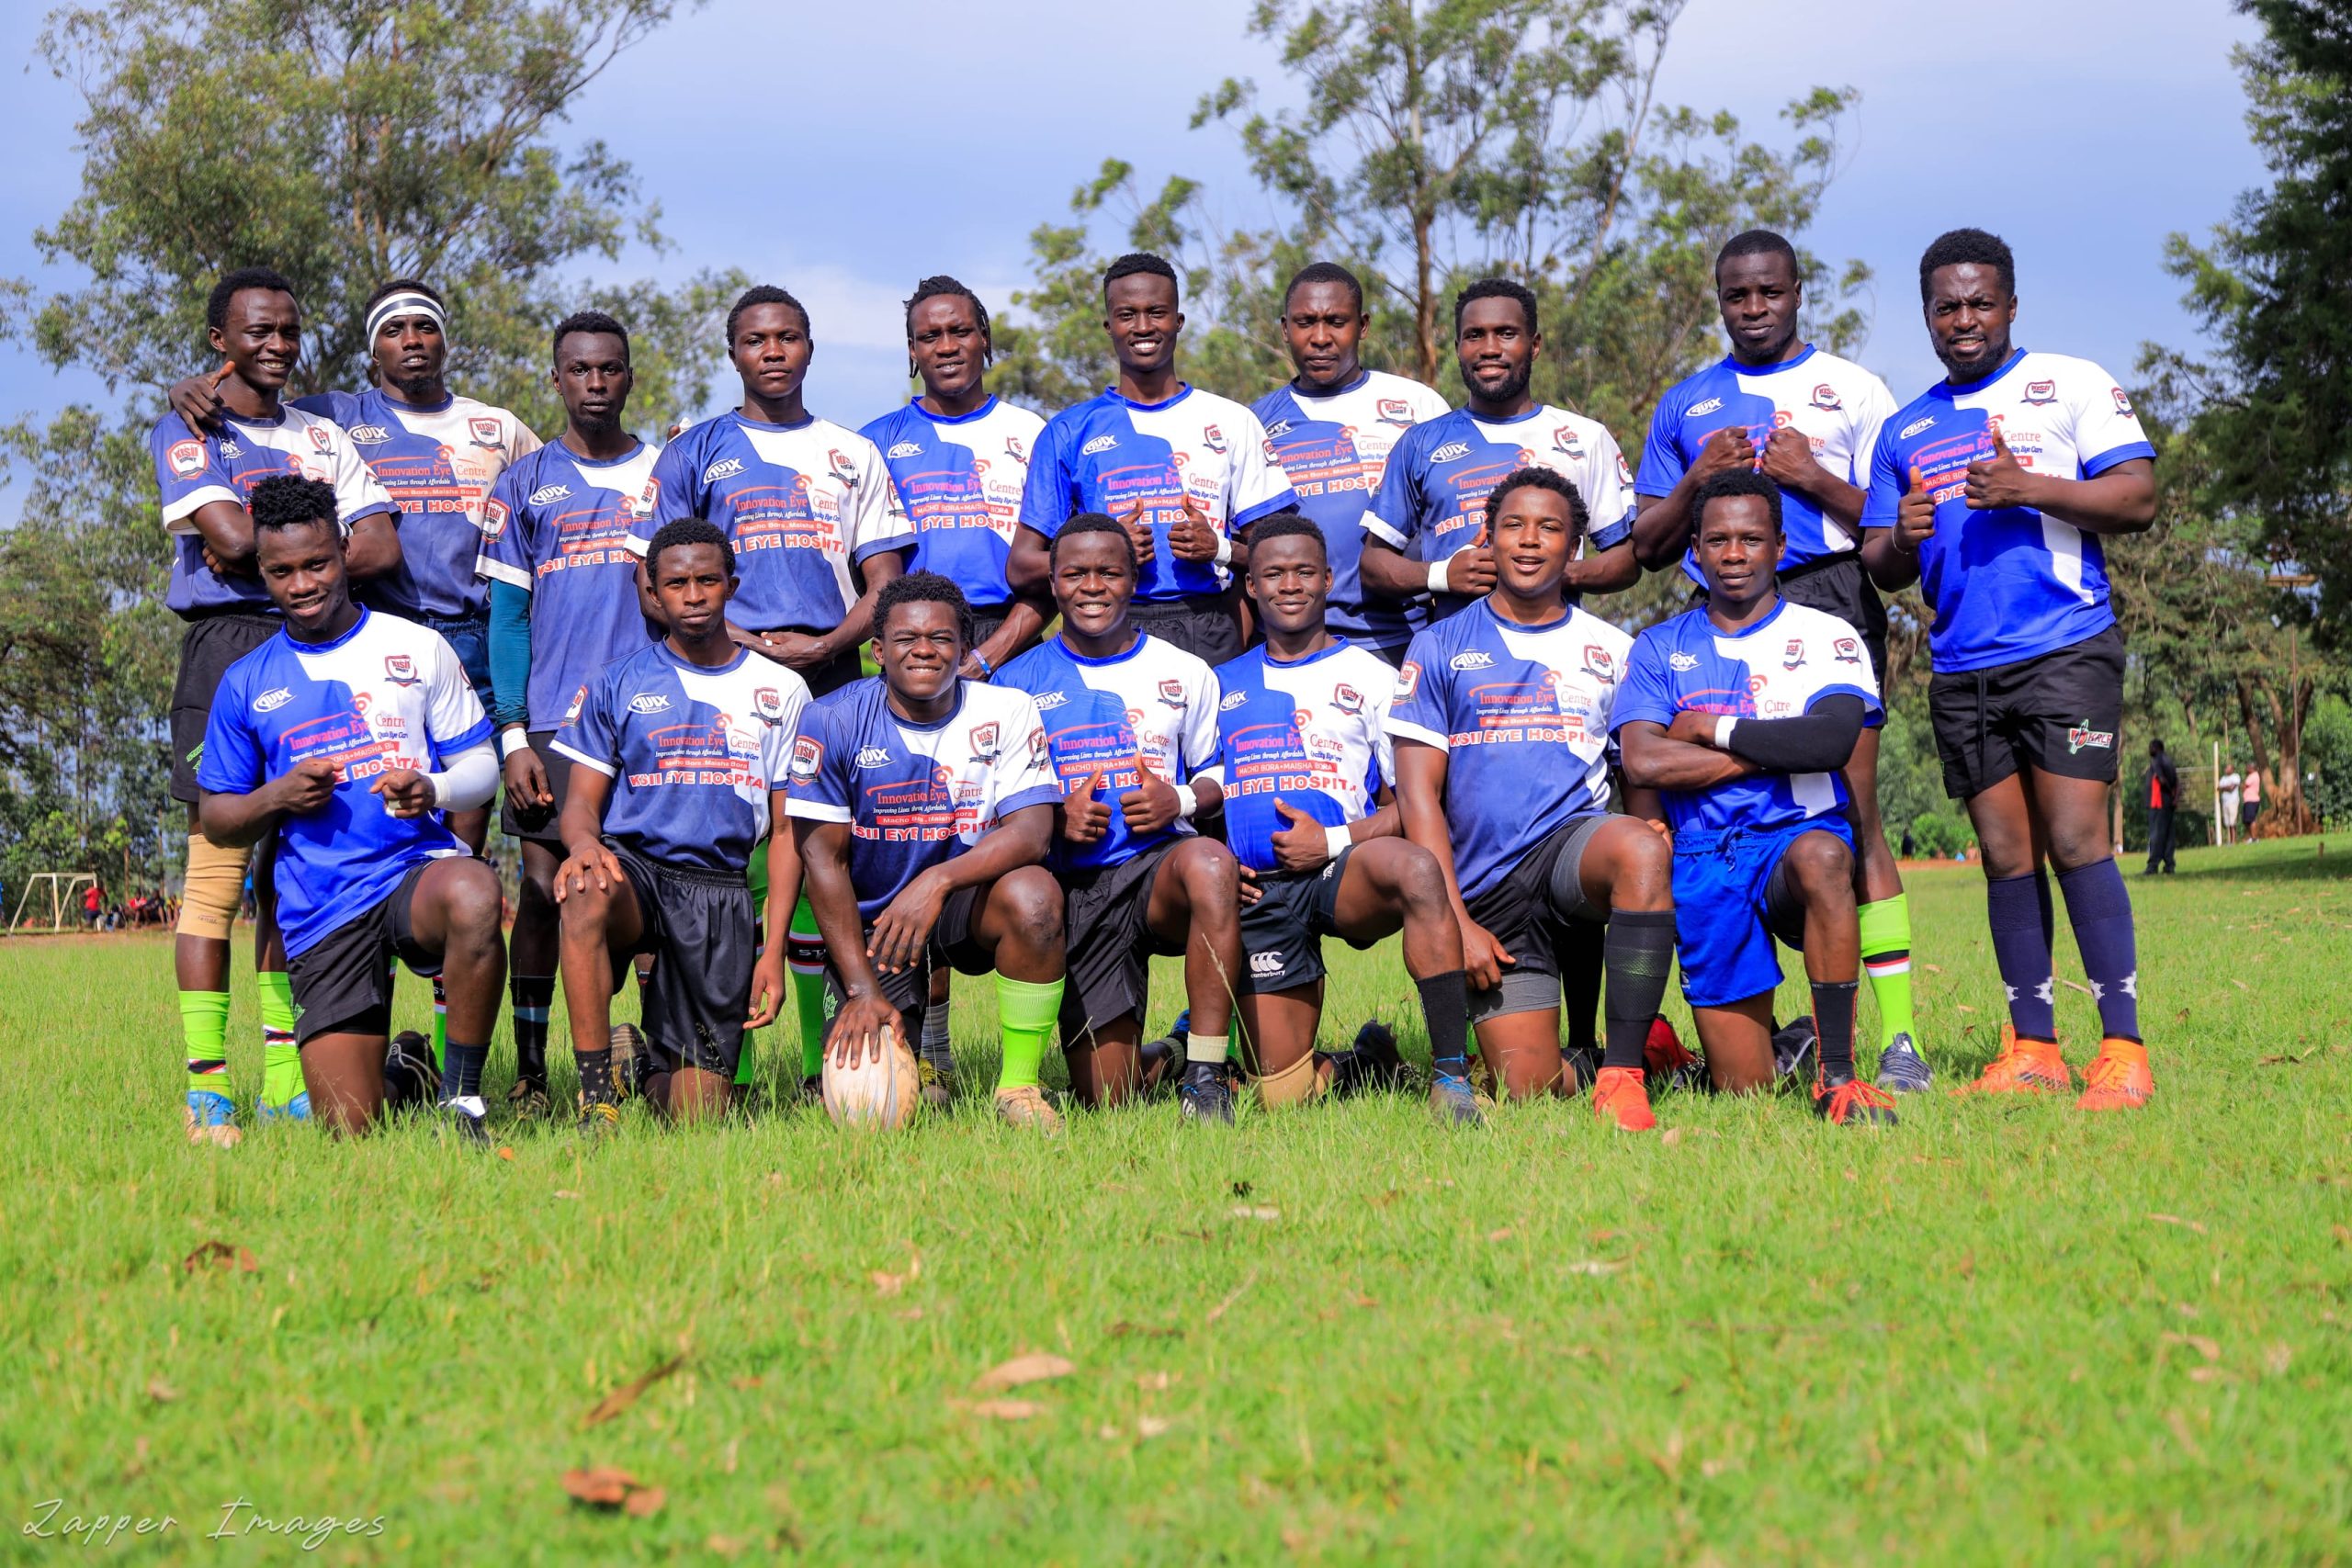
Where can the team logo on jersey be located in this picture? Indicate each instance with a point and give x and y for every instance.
(843, 469)
(495, 516)
(905, 449)
(1232, 700)
(1014, 450)
(1624, 474)
(401, 670)
(1825, 396)
(484, 430)
(1172, 692)
(2040, 392)
(229, 448)
(369, 434)
(579, 701)
(1912, 429)
(1409, 681)
(1279, 428)
(1755, 684)
(985, 746)
(1347, 699)
(648, 497)
(1213, 438)
(808, 754)
(649, 702)
(1265, 964)
(1780, 418)
(361, 701)
(1100, 444)
(1395, 410)
(1564, 440)
(767, 704)
(1475, 658)
(873, 757)
(1794, 655)
(185, 457)
(1599, 663)
(1450, 452)
(725, 469)
(1037, 750)
(321, 441)
(547, 493)
(2122, 404)
(1846, 650)
(1682, 661)
(272, 699)
(2081, 736)
(1048, 701)
(1300, 718)
(1712, 405)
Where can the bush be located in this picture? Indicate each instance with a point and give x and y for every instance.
(1940, 837)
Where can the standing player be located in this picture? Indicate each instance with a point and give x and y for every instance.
(1991, 491)
(349, 734)
(924, 808)
(1184, 471)
(1502, 720)
(1741, 712)
(563, 604)
(252, 322)
(1303, 761)
(1424, 532)
(680, 751)
(1332, 427)
(1807, 421)
(1131, 721)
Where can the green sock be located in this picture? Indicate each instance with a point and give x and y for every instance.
(805, 955)
(204, 1030)
(743, 1063)
(1026, 1010)
(1886, 958)
(440, 1022)
(282, 1060)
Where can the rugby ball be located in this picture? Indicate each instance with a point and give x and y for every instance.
(881, 1091)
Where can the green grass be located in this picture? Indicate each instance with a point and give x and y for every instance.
(2004, 1332)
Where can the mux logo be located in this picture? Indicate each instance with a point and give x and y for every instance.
(369, 435)
(1474, 659)
(1685, 662)
(547, 493)
(1712, 405)
(873, 757)
(905, 449)
(725, 469)
(648, 701)
(1100, 444)
(272, 700)
(1912, 429)
(1450, 452)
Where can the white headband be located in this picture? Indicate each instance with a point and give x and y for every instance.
(406, 303)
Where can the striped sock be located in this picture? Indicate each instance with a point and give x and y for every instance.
(1886, 958)
(805, 953)
(281, 1061)
(203, 1033)
(530, 997)
(440, 1022)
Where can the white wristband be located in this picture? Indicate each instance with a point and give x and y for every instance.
(1337, 839)
(511, 741)
(1224, 556)
(1437, 578)
(1722, 732)
(1188, 801)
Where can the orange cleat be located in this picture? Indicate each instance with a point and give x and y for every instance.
(1622, 1101)
(2024, 1066)
(1668, 1063)
(2118, 1078)
(1853, 1104)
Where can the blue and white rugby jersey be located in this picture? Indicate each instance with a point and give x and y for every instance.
(804, 504)
(1834, 403)
(388, 693)
(1312, 734)
(193, 471)
(1432, 496)
(1334, 448)
(1108, 455)
(1522, 714)
(1153, 705)
(1779, 668)
(2010, 584)
(960, 482)
(916, 794)
(438, 465)
(555, 525)
(693, 753)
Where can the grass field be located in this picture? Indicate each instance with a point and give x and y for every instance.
(2004, 1332)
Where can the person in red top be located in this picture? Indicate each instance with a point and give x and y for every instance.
(94, 904)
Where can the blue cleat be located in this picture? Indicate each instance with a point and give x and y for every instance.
(1901, 1068)
(1454, 1102)
(211, 1119)
(295, 1110)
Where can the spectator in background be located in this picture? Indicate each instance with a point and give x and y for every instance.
(2250, 806)
(2228, 784)
(1910, 845)
(2164, 804)
(93, 905)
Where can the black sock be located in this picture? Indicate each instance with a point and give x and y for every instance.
(595, 1075)
(461, 1070)
(1638, 953)
(1580, 952)
(1445, 1005)
(530, 997)
(1833, 1021)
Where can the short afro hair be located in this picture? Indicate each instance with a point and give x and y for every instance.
(1287, 525)
(689, 531)
(289, 500)
(1138, 264)
(1960, 247)
(1325, 272)
(766, 294)
(236, 282)
(924, 588)
(942, 287)
(1759, 243)
(1496, 288)
(595, 324)
(1579, 517)
(1732, 482)
(1087, 522)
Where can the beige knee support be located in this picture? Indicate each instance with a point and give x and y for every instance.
(216, 886)
(1295, 1085)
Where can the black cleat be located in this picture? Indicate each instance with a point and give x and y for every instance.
(599, 1120)
(1205, 1094)
(530, 1099)
(1850, 1102)
(1370, 1064)
(631, 1060)
(1792, 1047)
(410, 1078)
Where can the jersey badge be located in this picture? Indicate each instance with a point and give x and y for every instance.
(1409, 681)
(548, 494)
(186, 459)
(1232, 700)
(1395, 411)
(1172, 692)
(272, 700)
(1451, 452)
(986, 747)
(2040, 392)
(2122, 404)
(1476, 659)
(1014, 450)
(725, 469)
(767, 705)
(905, 449)
(808, 752)
(1825, 396)
(1100, 444)
(1846, 651)
(1564, 440)
(873, 757)
(494, 517)
(1347, 699)
(321, 441)
(401, 670)
(1213, 438)
(1599, 663)
(1912, 429)
(484, 430)
(649, 702)
(229, 448)
(843, 469)
(1792, 656)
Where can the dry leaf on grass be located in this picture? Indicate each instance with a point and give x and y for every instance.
(621, 1398)
(1151, 1425)
(1035, 1367)
(2075, 985)
(1502, 1234)
(1231, 1296)
(646, 1502)
(2206, 1375)
(504, 1152)
(1008, 1409)
(567, 1194)
(891, 1284)
(1256, 1211)
(2204, 1344)
(603, 1486)
(1155, 1381)
(220, 1255)
(1597, 1266)
(2176, 1220)
(161, 1391)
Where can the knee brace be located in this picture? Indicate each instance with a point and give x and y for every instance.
(216, 886)
(1295, 1085)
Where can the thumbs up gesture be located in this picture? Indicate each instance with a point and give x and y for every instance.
(1084, 818)
(1472, 567)
(1302, 845)
(1915, 515)
(1151, 804)
(1193, 539)
(1999, 481)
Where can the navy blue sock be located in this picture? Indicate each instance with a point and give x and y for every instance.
(2049, 914)
(2100, 909)
(2013, 906)
(461, 1071)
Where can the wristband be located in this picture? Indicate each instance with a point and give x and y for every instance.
(511, 741)
(1188, 801)
(440, 783)
(1337, 839)
(1224, 556)
(1437, 578)
(1722, 732)
(987, 669)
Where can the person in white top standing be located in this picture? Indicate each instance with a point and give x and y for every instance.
(2228, 785)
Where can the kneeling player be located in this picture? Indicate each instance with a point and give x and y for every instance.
(1127, 712)
(351, 733)
(1740, 713)
(925, 806)
(1304, 763)
(1501, 717)
(681, 750)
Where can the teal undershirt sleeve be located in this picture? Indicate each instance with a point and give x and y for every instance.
(510, 653)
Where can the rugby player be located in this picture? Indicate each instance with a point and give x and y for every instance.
(205, 478)
(1808, 420)
(679, 753)
(1741, 712)
(1992, 489)
(1184, 471)
(1305, 766)
(563, 604)
(349, 734)
(1131, 722)
(924, 802)
(1501, 723)
(1332, 426)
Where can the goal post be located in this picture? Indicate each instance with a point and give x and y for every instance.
(57, 892)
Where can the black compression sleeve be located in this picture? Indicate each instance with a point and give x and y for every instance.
(1818, 741)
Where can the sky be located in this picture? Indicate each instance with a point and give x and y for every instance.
(829, 150)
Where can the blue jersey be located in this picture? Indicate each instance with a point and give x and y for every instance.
(438, 465)
(1523, 715)
(1154, 706)
(386, 694)
(557, 527)
(1311, 734)
(804, 504)
(1834, 403)
(2014, 583)
(1334, 446)
(1432, 497)
(194, 471)
(693, 754)
(960, 481)
(916, 794)
(1779, 668)
(1111, 456)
